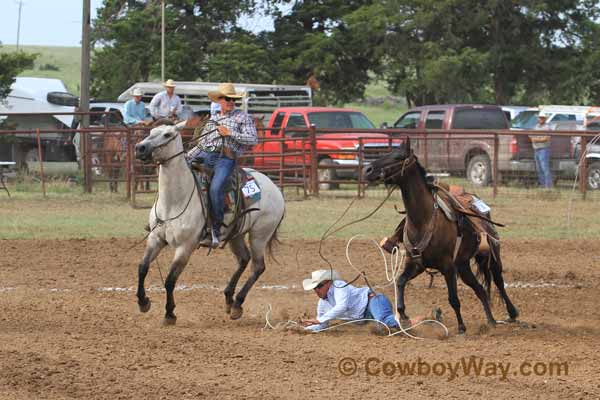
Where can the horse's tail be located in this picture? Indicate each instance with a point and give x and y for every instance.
(484, 272)
(274, 240)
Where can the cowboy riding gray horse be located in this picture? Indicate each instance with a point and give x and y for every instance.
(178, 218)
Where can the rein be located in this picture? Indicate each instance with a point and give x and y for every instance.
(160, 221)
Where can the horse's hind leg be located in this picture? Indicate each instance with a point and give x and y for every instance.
(153, 248)
(182, 255)
(257, 248)
(496, 267)
(450, 276)
(242, 254)
(467, 276)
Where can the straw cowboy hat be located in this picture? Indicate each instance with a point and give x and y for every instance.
(319, 276)
(224, 90)
(169, 83)
(137, 92)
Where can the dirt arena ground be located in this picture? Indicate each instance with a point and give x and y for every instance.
(70, 328)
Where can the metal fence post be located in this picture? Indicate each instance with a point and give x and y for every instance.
(314, 162)
(40, 155)
(361, 163)
(495, 166)
(87, 162)
(583, 170)
(128, 162)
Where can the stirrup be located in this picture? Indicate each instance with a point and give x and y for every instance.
(215, 238)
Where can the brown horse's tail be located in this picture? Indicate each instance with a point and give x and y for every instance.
(484, 271)
(274, 240)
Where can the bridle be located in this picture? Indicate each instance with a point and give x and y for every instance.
(165, 161)
(406, 163)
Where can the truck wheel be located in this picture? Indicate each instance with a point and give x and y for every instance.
(479, 170)
(593, 176)
(327, 175)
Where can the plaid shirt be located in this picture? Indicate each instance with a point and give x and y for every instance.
(241, 126)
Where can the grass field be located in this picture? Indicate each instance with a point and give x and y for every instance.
(69, 214)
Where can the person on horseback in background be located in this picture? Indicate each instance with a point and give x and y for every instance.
(222, 140)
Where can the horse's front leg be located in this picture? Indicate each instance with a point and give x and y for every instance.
(153, 247)
(182, 255)
(450, 276)
(411, 270)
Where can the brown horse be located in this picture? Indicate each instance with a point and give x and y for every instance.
(431, 239)
(113, 156)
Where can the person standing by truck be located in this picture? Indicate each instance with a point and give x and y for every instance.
(223, 140)
(166, 104)
(134, 110)
(541, 148)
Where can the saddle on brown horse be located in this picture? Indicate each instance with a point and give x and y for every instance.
(466, 209)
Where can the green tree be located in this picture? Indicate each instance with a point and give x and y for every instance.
(11, 65)
(334, 39)
(129, 35)
(528, 51)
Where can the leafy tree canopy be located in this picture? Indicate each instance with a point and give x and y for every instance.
(11, 65)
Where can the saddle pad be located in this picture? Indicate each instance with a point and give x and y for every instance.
(448, 211)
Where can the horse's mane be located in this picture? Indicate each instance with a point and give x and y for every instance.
(421, 169)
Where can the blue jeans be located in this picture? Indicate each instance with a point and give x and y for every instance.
(542, 163)
(380, 308)
(222, 167)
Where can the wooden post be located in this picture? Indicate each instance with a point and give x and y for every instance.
(84, 94)
(314, 161)
(39, 144)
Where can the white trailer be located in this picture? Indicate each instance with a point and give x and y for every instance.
(37, 95)
(258, 98)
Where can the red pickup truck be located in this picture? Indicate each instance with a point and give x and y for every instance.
(284, 119)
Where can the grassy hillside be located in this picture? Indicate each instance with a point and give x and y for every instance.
(54, 62)
(64, 63)
(379, 105)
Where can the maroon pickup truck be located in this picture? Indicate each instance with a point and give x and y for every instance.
(471, 155)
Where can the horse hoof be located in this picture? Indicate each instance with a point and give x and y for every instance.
(169, 321)
(462, 330)
(227, 308)
(236, 312)
(145, 307)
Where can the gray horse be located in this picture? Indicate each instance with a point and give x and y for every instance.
(177, 218)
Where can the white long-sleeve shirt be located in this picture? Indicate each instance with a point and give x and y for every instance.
(162, 105)
(343, 301)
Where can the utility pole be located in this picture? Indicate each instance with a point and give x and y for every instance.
(19, 24)
(162, 42)
(84, 95)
